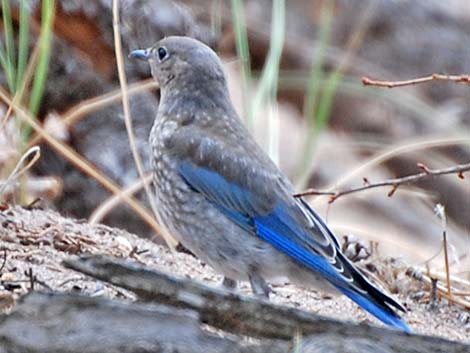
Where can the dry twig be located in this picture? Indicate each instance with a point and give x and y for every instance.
(169, 239)
(76, 159)
(440, 211)
(33, 153)
(394, 183)
(441, 290)
(103, 209)
(244, 315)
(462, 79)
(82, 109)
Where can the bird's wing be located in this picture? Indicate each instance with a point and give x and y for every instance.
(254, 194)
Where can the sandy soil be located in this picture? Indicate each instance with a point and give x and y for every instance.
(34, 242)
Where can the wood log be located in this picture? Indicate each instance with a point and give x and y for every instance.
(251, 316)
(64, 323)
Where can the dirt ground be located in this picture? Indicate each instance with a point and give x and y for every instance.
(34, 242)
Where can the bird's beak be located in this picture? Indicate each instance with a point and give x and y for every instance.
(141, 54)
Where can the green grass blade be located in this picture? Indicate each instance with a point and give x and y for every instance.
(269, 75)
(40, 75)
(313, 99)
(45, 40)
(326, 101)
(243, 52)
(4, 64)
(268, 85)
(316, 72)
(277, 40)
(216, 18)
(22, 43)
(9, 52)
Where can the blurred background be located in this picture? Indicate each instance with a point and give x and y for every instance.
(294, 70)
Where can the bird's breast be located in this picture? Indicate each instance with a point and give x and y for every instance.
(174, 199)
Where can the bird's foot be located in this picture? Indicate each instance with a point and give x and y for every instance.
(229, 283)
(259, 286)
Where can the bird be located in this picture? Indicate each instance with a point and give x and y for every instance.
(225, 200)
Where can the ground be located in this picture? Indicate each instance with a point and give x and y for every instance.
(34, 242)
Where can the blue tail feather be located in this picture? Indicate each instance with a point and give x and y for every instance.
(384, 314)
(319, 264)
(281, 229)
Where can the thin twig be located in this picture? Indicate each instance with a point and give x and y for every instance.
(71, 116)
(169, 239)
(462, 79)
(462, 294)
(25, 82)
(441, 213)
(442, 275)
(107, 205)
(433, 294)
(31, 277)
(394, 151)
(456, 300)
(446, 259)
(394, 183)
(19, 169)
(4, 260)
(427, 278)
(76, 159)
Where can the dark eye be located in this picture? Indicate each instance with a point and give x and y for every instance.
(162, 53)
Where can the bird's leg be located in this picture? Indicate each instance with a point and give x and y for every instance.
(259, 285)
(229, 283)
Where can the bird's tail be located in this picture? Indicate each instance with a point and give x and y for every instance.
(360, 290)
(372, 299)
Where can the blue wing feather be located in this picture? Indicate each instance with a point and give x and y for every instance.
(280, 228)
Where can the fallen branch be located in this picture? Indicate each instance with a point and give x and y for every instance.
(462, 79)
(250, 316)
(57, 323)
(394, 183)
(76, 159)
(441, 290)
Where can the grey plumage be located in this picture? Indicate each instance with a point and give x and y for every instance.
(194, 115)
(224, 199)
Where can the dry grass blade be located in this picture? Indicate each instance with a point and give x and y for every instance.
(169, 239)
(107, 205)
(19, 169)
(442, 276)
(462, 294)
(24, 83)
(442, 291)
(77, 160)
(395, 151)
(80, 110)
(441, 213)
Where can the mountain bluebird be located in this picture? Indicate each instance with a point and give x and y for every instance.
(225, 200)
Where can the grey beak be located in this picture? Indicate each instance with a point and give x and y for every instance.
(141, 54)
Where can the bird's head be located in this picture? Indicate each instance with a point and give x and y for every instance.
(182, 62)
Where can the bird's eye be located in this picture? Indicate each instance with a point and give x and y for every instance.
(162, 53)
